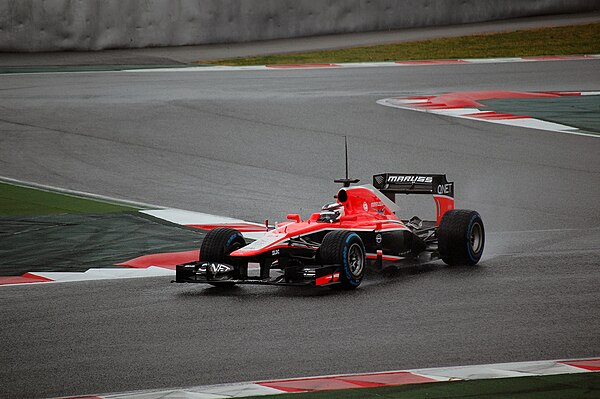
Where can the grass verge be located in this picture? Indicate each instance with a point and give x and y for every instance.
(18, 200)
(579, 39)
(573, 386)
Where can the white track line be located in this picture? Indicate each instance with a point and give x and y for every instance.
(104, 274)
(183, 217)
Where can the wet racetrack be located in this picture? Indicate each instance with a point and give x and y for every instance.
(260, 144)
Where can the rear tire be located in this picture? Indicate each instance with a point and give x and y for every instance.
(461, 237)
(345, 248)
(217, 246)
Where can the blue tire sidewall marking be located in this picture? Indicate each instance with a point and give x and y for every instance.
(349, 276)
(230, 240)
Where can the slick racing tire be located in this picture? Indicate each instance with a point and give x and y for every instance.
(461, 237)
(217, 246)
(345, 248)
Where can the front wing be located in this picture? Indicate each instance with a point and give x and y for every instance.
(224, 274)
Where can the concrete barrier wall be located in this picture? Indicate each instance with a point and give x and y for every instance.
(49, 25)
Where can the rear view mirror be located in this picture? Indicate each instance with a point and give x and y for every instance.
(294, 217)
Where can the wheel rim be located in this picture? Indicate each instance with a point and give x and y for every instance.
(234, 247)
(355, 259)
(476, 239)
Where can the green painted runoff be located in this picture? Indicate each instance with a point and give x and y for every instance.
(18, 200)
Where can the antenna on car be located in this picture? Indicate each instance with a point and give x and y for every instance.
(346, 181)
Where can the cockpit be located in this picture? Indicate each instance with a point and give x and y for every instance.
(331, 213)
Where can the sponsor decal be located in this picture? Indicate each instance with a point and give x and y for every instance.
(444, 188)
(378, 239)
(378, 207)
(215, 268)
(275, 252)
(365, 206)
(409, 179)
(379, 179)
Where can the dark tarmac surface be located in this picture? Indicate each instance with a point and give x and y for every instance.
(261, 144)
(78, 338)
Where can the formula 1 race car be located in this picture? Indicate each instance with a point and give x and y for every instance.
(335, 246)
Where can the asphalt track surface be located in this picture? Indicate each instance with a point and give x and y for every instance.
(259, 144)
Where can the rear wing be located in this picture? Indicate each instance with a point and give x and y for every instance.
(441, 189)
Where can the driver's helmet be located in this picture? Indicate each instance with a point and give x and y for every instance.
(331, 212)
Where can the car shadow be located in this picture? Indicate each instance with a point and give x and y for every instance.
(256, 291)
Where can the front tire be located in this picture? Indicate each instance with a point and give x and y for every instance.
(218, 244)
(345, 248)
(461, 237)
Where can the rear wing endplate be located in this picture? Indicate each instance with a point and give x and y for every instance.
(442, 190)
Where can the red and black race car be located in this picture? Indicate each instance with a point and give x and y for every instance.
(335, 246)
